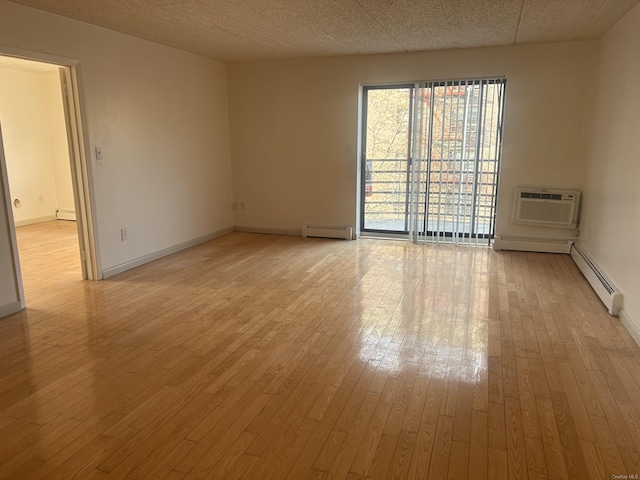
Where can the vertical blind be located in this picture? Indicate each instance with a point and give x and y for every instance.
(456, 148)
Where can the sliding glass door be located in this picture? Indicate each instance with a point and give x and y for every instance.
(431, 157)
(387, 121)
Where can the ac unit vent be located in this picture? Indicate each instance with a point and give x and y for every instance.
(546, 208)
(544, 196)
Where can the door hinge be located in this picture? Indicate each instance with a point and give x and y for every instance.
(65, 89)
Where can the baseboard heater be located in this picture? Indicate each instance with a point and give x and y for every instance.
(65, 214)
(345, 233)
(609, 295)
(523, 244)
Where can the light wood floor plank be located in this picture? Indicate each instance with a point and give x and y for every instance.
(440, 456)
(478, 447)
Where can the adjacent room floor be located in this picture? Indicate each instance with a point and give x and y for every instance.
(50, 261)
(257, 357)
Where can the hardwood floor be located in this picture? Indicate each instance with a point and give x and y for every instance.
(274, 357)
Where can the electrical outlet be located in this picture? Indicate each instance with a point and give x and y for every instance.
(124, 236)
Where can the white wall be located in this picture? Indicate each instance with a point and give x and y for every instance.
(160, 116)
(294, 126)
(27, 144)
(611, 206)
(35, 138)
(58, 141)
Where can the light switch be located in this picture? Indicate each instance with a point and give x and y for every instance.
(98, 153)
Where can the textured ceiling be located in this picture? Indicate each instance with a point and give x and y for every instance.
(240, 30)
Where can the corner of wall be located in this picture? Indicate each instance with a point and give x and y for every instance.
(630, 325)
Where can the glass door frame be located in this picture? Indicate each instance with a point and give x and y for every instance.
(363, 159)
(413, 87)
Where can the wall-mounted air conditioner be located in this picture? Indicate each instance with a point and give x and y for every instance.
(544, 207)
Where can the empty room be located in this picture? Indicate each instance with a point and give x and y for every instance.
(321, 240)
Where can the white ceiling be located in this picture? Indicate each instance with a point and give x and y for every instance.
(241, 30)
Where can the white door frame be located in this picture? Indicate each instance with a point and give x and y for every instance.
(79, 173)
(6, 205)
(80, 167)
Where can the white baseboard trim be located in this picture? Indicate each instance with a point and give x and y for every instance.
(270, 231)
(629, 324)
(31, 221)
(66, 215)
(542, 245)
(10, 309)
(123, 267)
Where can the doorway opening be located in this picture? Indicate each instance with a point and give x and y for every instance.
(44, 174)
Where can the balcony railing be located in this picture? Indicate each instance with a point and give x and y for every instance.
(453, 186)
